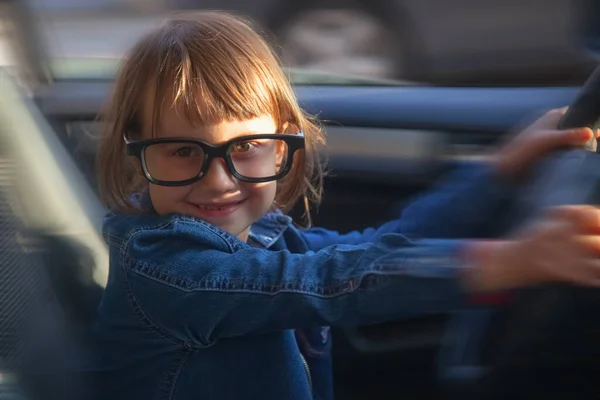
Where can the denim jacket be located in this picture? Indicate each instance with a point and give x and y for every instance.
(191, 311)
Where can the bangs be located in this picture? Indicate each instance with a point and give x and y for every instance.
(213, 74)
(211, 97)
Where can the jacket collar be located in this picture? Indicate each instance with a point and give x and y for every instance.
(263, 232)
(269, 228)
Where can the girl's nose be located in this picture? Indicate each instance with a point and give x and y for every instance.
(218, 176)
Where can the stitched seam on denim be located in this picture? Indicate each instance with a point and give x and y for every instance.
(240, 286)
(340, 288)
(263, 240)
(173, 373)
(390, 266)
(158, 275)
(171, 222)
(275, 226)
(232, 242)
(139, 229)
(441, 262)
(164, 277)
(395, 269)
(277, 232)
(114, 240)
(143, 318)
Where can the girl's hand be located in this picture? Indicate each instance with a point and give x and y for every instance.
(536, 141)
(564, 246)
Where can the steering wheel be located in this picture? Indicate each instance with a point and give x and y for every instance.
(546, 342)
(550, 341)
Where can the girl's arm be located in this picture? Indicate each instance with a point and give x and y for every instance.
(462, 205)
(198, 284)
(473, 200)
(473, 203)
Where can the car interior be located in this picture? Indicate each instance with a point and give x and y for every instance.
(386, 144)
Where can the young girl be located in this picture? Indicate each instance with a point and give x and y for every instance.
(213, 293)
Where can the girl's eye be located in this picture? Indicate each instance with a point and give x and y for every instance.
(242, 147)
(184, 152)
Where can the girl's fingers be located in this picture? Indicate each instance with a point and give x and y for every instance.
(556, 138)
(577, 136)
(586, 273)
(589, 245)
(584, 219)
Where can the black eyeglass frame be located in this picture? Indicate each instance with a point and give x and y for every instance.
(295, 142)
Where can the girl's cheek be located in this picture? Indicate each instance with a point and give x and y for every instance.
(265, 191)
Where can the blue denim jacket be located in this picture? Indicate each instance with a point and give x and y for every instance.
(191, 311)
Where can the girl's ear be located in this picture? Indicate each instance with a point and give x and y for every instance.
(285, 127)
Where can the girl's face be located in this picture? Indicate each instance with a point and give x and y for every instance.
(218, 197)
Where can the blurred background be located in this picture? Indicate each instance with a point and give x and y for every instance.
(426, 41)
(491, 65)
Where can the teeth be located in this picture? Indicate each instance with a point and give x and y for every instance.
(212, 208)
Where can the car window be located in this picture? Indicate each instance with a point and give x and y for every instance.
(106, 68)
(85, 40)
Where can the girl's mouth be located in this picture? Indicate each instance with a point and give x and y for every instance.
(217, 209)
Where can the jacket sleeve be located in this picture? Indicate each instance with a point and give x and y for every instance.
(201, 292)
(472, 203)
(466, 204)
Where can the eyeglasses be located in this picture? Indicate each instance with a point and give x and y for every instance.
(183, 161)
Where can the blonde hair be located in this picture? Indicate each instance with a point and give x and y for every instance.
(216, 68)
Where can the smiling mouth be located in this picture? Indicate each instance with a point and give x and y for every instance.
(219, 209)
